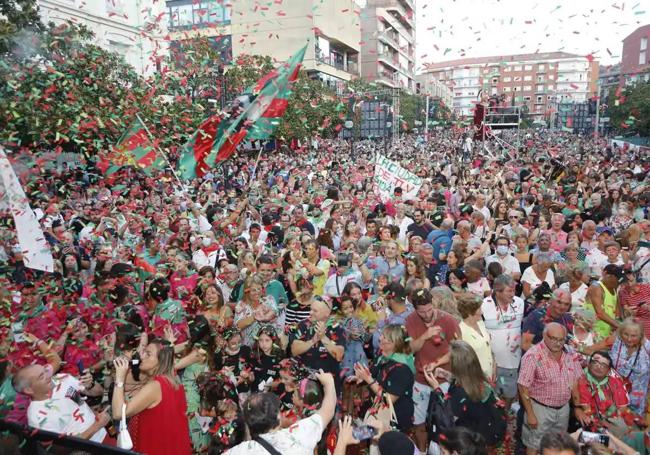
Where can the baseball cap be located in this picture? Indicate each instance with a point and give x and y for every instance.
(603, 229)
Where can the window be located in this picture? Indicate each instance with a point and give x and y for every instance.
(642, 58)
(644, 43)
(506, 89)
(551, 66)
(514, 89)
(495, 80)
(542, 68)
(517, 68)
(540, 98)
(527, 88)
(526, 98)
(539, 88)
(517, 79)
(551, 77)
(506, 69)
(540, 78)
(528, 78)
(528, 67)
(507, 79)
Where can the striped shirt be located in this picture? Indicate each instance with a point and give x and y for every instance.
(296, 313)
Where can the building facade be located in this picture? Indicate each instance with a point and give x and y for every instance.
(635, 61)
(532, 80)
(608, 81)
(427, 84)
(388, 43)
(276, 29)
(134, 29)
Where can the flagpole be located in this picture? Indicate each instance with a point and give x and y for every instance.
(160, 152)
(253, 174)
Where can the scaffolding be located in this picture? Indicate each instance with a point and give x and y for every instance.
(498, 118)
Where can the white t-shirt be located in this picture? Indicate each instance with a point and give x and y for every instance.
(509, 263)
(505, 331)
(577, 297)
(299, 439)
(531, 278)
(61, 413)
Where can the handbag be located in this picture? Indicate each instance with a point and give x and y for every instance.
(123, 437)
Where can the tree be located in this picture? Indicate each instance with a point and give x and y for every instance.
(632, 115)
(18, 18)
(58, 90)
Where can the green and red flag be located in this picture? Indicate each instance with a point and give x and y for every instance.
(134, 148)
(262, 106)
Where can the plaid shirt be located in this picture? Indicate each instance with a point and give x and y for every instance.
(549, 381)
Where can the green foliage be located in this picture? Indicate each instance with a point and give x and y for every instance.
(17, 16)
(632, 115)
(59, 90)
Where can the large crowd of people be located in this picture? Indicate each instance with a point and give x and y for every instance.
(280, 306)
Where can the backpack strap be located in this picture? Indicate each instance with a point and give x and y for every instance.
(267, 446)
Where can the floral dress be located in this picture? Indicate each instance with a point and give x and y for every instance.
(634, 367)
(200, 440)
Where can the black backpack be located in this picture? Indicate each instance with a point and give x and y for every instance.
(440, 416)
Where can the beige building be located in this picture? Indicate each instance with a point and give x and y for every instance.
(388, 43)
(277, 29)
(136, 30)
(427, 84)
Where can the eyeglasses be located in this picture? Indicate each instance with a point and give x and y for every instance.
(513, 217)
(600, 364)
(555, 339)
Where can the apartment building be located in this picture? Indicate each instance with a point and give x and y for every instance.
(134, 29)
(635, 61)
(427, 84)
(533, 80)
(276, 29)
(388, 43)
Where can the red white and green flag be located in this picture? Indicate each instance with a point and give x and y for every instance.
(134, 148)
(267, 101)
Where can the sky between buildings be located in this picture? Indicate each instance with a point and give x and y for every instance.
(450, 29)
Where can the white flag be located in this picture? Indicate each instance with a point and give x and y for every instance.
(390, 175)
(35, 249)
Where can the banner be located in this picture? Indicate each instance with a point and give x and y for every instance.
(35, 249)
(390, 175)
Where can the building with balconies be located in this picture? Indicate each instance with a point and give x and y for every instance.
(534, 80)
(277, 29)
(635, 61)
(388, 43)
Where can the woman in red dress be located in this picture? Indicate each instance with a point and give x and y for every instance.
(480, 112)
(160, 405)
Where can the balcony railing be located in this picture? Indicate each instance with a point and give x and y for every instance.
(350, 67)
(389, 38)
(388, 59)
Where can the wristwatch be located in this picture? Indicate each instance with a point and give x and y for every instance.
(119, 385)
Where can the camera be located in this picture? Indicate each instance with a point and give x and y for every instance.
(343, 260)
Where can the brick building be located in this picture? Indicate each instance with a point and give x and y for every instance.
(635, 62)
(534, 80)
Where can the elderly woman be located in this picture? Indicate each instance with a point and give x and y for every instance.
(577, 275)
(632, 362)
(474, 332)
(538, 273)
(570, 256)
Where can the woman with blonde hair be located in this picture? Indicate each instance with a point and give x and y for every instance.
(631, 361)
(473, 331)
(473, 401)
(255, 310)
(443, 299)
(160, 405)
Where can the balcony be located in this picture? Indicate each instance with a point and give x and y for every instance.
(389, 59)
(386, 78)
(409, 3)
(390, 38)
(338, 63)
(400, 13)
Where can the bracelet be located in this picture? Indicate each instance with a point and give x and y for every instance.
(374, 381)
(119, 385)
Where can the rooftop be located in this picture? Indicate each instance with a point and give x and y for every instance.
(499, 59)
